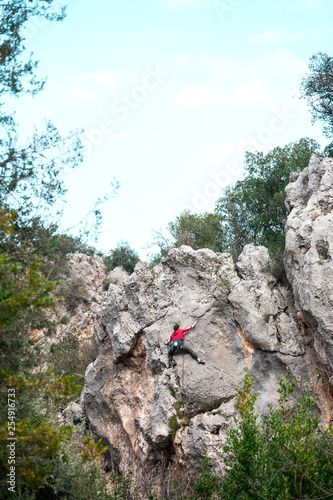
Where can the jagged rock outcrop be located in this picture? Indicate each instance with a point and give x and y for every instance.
(309, 250)
(82, 288)
(247, 318)
(84, 283)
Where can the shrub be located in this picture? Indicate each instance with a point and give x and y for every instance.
(207, 483)
(71, 356)
(74, 292)
(123, 256)
(290, 457)
(105, 284)
(174, 425)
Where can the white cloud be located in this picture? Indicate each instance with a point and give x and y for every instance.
(193, 97)
(220, 63)
(183, 60)
(79, 93)
(150, 149)
(287, 5)
(211, 156)
(309, 4)
(249, 81)
(273, 37)
(181, 4)
(108, 78)
(125, 138)
(89, 86)
(230, 72)
(251, 91)
(70, 93)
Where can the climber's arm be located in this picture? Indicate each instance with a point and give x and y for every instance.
(188, 329)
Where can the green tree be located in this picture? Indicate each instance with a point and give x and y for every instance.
(24, 295)
(317, 89)
(16, 74)
(23, 290)
(123, 255)
(198, 231)
(31, 184)
(30, 244)
(72, 355)
(29, 175)
(253, 210)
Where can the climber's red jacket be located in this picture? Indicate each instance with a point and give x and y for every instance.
(179, 334)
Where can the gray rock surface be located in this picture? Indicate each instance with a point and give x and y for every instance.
(146, 411)
(74, 415)
(84, 286)
(308, 251)
(263, 307)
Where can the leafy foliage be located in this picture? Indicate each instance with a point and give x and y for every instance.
(253, 210)
(207, 484)
(32, 187)
(72, 355)
(290, 456)
(29, 175)
(17, 75)
(317, 89)
(38, 438)
(24, 295)
(123, 255)
(198, 231)
(18, 289)
(250, 211)
(73, 477)
(32, 252)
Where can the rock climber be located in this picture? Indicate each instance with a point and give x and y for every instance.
(177, 339)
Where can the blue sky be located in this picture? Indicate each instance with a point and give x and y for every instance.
(170, 94)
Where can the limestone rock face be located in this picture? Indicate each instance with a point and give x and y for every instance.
(264, 307)
(247, 318)
(309, 250)
(84, 284)
(144, 410)
(82, 288)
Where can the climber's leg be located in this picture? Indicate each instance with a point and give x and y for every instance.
(173, 350)
(192, 353)
(170, 356)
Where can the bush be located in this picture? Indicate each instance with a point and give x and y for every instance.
(291, 457)
(123, 256)
(74, 292)
(71, 356)
(106, 283)
(207, 483)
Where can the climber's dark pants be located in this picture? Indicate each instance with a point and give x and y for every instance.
(178, 349)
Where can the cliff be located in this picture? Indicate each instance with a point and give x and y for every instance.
(247, 318)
